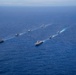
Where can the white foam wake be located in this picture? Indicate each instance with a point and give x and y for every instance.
(63, 30)
(58, 33)
(24, 32)
(8, 38)
(30, 30)
(42, 26)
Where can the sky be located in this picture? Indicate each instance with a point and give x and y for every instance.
(39, 2)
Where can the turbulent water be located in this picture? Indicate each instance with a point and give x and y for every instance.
(55, 56)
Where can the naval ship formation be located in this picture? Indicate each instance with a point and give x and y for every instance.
(38, 43)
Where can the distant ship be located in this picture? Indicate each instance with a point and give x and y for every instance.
(17, 34)
(29, 30)
(42, 26)
(50, 37)
(38, 43)
(1, 40)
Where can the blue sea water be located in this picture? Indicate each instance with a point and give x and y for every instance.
(19, 55)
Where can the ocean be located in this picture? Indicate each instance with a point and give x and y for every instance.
(55, 56)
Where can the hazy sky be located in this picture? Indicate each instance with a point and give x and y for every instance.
(39, 2)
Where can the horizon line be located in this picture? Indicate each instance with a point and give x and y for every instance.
(39, 5)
